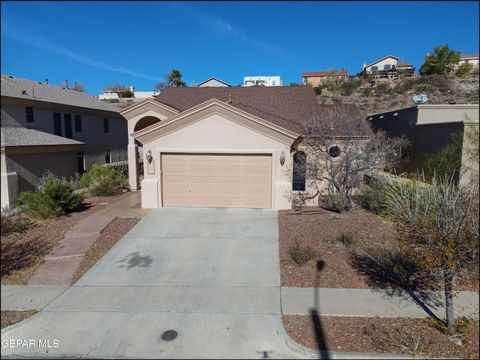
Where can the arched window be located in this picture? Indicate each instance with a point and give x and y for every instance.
(299, 171)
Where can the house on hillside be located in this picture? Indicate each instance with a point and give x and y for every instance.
(473, 60)
(316, 78)
(112, 94)
(262, 81)
(48, 127)
(213, 82)
(429, 128)
(225, 146)
(388, 67)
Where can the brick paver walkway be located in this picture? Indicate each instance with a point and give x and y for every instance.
(62, 262)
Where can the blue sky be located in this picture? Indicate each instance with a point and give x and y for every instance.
(98, 43)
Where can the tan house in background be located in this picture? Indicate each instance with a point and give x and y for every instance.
(220, 147)
(429, 129)
(213, 82)
(316, 78)
(47, 127)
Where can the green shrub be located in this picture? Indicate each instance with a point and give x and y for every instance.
(318, 89)
(127, 94)
(463, 70)
(62, 194)
(38, 204)
(445, 162)
(383, 89)
(53, 200)
(337, 202)
(301, 255)
(348, 87)
(102, 180)
(373, 195)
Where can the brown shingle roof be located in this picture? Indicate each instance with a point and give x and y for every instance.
(286, 106)
(324, 73)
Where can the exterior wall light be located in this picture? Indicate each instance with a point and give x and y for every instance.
(149, 156)
(282, 158)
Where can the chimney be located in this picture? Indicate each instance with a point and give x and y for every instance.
(131, 88)
(46, 81)
(229, 101)
(66, 83)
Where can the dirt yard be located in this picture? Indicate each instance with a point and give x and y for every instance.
(23, 252)
(359, 250)
(420, 337)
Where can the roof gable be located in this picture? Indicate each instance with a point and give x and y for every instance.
(215, 106)
(385, 57)
(214, 79)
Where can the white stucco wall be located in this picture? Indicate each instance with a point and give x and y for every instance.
(217, 134)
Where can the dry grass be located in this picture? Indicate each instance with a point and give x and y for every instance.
(109, 237)
(12, 317)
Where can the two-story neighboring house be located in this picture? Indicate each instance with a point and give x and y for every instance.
(388, 67)
(316, 78)
(47, 127)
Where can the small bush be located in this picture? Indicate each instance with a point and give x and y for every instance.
(318, 89)
(38, 205)
(337, 202)
(103, 181)
(383, 89)
(348, 87)
(301, 255)
(373, 195)
(463, 70)
(347, 239)
(53, 200)
(62, 194)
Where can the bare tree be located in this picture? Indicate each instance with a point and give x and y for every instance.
(163, 84)
(118, 87)
(438, 226)
(340, 149)
(78, 87)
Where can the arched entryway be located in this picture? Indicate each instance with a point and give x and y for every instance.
(137, 152)
(145, 122)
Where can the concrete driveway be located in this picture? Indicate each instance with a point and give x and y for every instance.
(212, 275)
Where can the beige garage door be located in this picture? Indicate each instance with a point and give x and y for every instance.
(217, 180)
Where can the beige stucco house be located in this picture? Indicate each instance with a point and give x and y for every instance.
(46, 127)
(218, 146)
(429, 128)
(213, 82)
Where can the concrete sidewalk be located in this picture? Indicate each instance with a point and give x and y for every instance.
(62, 262)
(366, 302)
(30, 297)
